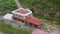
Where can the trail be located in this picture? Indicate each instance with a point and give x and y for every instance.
(1, 32)
(18, 4)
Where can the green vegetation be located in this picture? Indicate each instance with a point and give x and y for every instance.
(47, 21)
(8, 29)
(46, 9)
(6, 6)
(26, 3)
(51, 23)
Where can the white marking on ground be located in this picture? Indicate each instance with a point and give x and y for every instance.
(1, 32)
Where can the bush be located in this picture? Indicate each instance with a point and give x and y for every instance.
(47, 18)
(57, 23)
(7, 6)
(26, 3)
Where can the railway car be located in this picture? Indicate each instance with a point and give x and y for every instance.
(26, 16)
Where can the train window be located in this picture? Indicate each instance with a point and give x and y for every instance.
(26, 16)
(19, 15)
(30, 15)
(14, 14)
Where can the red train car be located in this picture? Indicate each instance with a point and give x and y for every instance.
(25, 15)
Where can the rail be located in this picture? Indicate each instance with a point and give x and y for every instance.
(51, 29)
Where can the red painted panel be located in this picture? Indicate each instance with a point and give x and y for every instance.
(32, 20)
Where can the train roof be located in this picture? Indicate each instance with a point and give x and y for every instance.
(34, 20)
(22, 12)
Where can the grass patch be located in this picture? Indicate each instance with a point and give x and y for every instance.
(47, 21)
(26, 3)
(51, 23)
(6, 6)
(8, 29)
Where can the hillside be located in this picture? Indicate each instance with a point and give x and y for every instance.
(6, 6)
(46, 9)
(9, 29)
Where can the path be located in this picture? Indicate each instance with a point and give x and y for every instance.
(1, 32)
(1, 16)
(18, 4)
